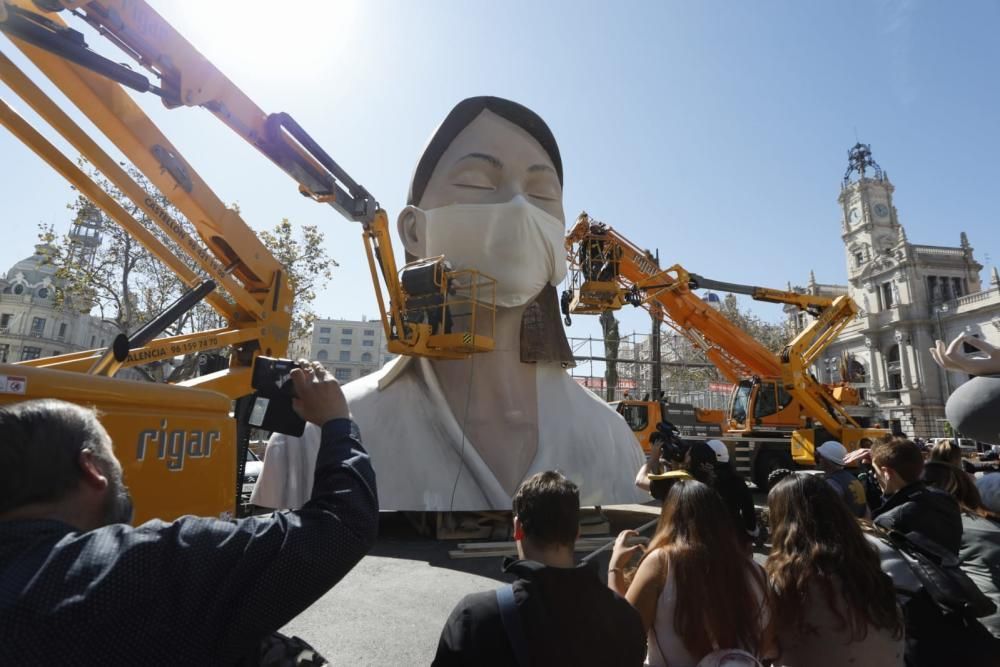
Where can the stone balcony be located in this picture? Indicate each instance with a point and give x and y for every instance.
(937, 252)
(967, 303)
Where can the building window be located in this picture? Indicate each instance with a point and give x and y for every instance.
(932, 289)
(856, 371)
(369, 332)
(386, 359)
(37, 327)
(4, 353)
(43, 293)
(5, 322)
(342, 374)
(18, 289)
(345, 341)
(956, 287)
(887, 295)
(347, 332)
(324, 340)
(366, 357)
(62, 331)
(92, 338)
(345, 355)
(323, 330)
(368, 343)
(859, 258)
(322, 355)
(893, 369)
(365, 371)
(30, 353)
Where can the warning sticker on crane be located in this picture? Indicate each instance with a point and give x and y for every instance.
(13, 384)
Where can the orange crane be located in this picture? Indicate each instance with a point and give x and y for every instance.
(183, 446)
(778, 411)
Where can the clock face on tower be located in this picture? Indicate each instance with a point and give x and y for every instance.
(854, 215)
(881, 210)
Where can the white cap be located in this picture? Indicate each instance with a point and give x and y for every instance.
(720, 449)
(832, 451)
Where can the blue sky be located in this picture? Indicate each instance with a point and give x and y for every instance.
(715, 132)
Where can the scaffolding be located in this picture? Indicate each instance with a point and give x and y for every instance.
(686, 376)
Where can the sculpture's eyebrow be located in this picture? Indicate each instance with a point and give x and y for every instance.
(484, 157)
(541, 167)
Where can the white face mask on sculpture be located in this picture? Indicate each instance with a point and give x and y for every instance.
(517, 243)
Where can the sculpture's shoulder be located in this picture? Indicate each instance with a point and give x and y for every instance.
(368, 387)
(587, 405)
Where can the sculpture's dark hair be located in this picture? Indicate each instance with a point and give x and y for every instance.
(460, 117)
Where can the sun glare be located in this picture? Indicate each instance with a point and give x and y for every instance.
(265, 40)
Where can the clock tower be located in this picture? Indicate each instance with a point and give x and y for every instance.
(873, 238)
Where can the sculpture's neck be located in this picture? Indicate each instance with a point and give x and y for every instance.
(493, 397)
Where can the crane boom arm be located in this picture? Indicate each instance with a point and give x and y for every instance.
(232, 254)
(608, 271)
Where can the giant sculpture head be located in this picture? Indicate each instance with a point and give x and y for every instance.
(487, 194)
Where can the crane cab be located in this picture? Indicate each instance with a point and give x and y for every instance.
(762, 405)
(447, 314)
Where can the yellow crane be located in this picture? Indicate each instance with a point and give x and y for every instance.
(778, 411)
(183, 445)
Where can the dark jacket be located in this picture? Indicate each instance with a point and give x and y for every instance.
(569, 618)
(736, 494)
(926, 510)
(980, 559)
(195, 591)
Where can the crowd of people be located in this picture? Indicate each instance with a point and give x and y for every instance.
(912, 579)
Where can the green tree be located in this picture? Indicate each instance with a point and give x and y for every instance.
(123, 283)
(308, 268)
(772, 335)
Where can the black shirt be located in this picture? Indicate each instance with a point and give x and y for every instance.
(569, 618)
(737, 497)
(191, 592)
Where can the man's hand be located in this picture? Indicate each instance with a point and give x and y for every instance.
(319, 396)
(862, 455)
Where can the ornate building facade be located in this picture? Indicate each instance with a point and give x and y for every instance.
(908, 295)
(33, 325)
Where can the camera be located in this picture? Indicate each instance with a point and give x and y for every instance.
(272, 408)
(272, 378)
(672, 446)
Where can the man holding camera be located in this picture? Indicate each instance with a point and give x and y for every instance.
(80, 586)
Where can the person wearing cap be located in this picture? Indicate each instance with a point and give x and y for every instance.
(735, 493)
(830, 459)
(661, 483)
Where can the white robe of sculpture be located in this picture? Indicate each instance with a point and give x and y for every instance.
(415, 443)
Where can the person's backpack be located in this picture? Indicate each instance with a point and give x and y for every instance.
(512, 625)
(941, 576)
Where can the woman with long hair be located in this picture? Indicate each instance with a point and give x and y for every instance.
(832, 603)
(695, 588)
(979, 554)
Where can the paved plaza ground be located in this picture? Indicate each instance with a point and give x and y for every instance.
(390, 609)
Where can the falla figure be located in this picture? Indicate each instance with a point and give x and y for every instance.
(461, 435)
